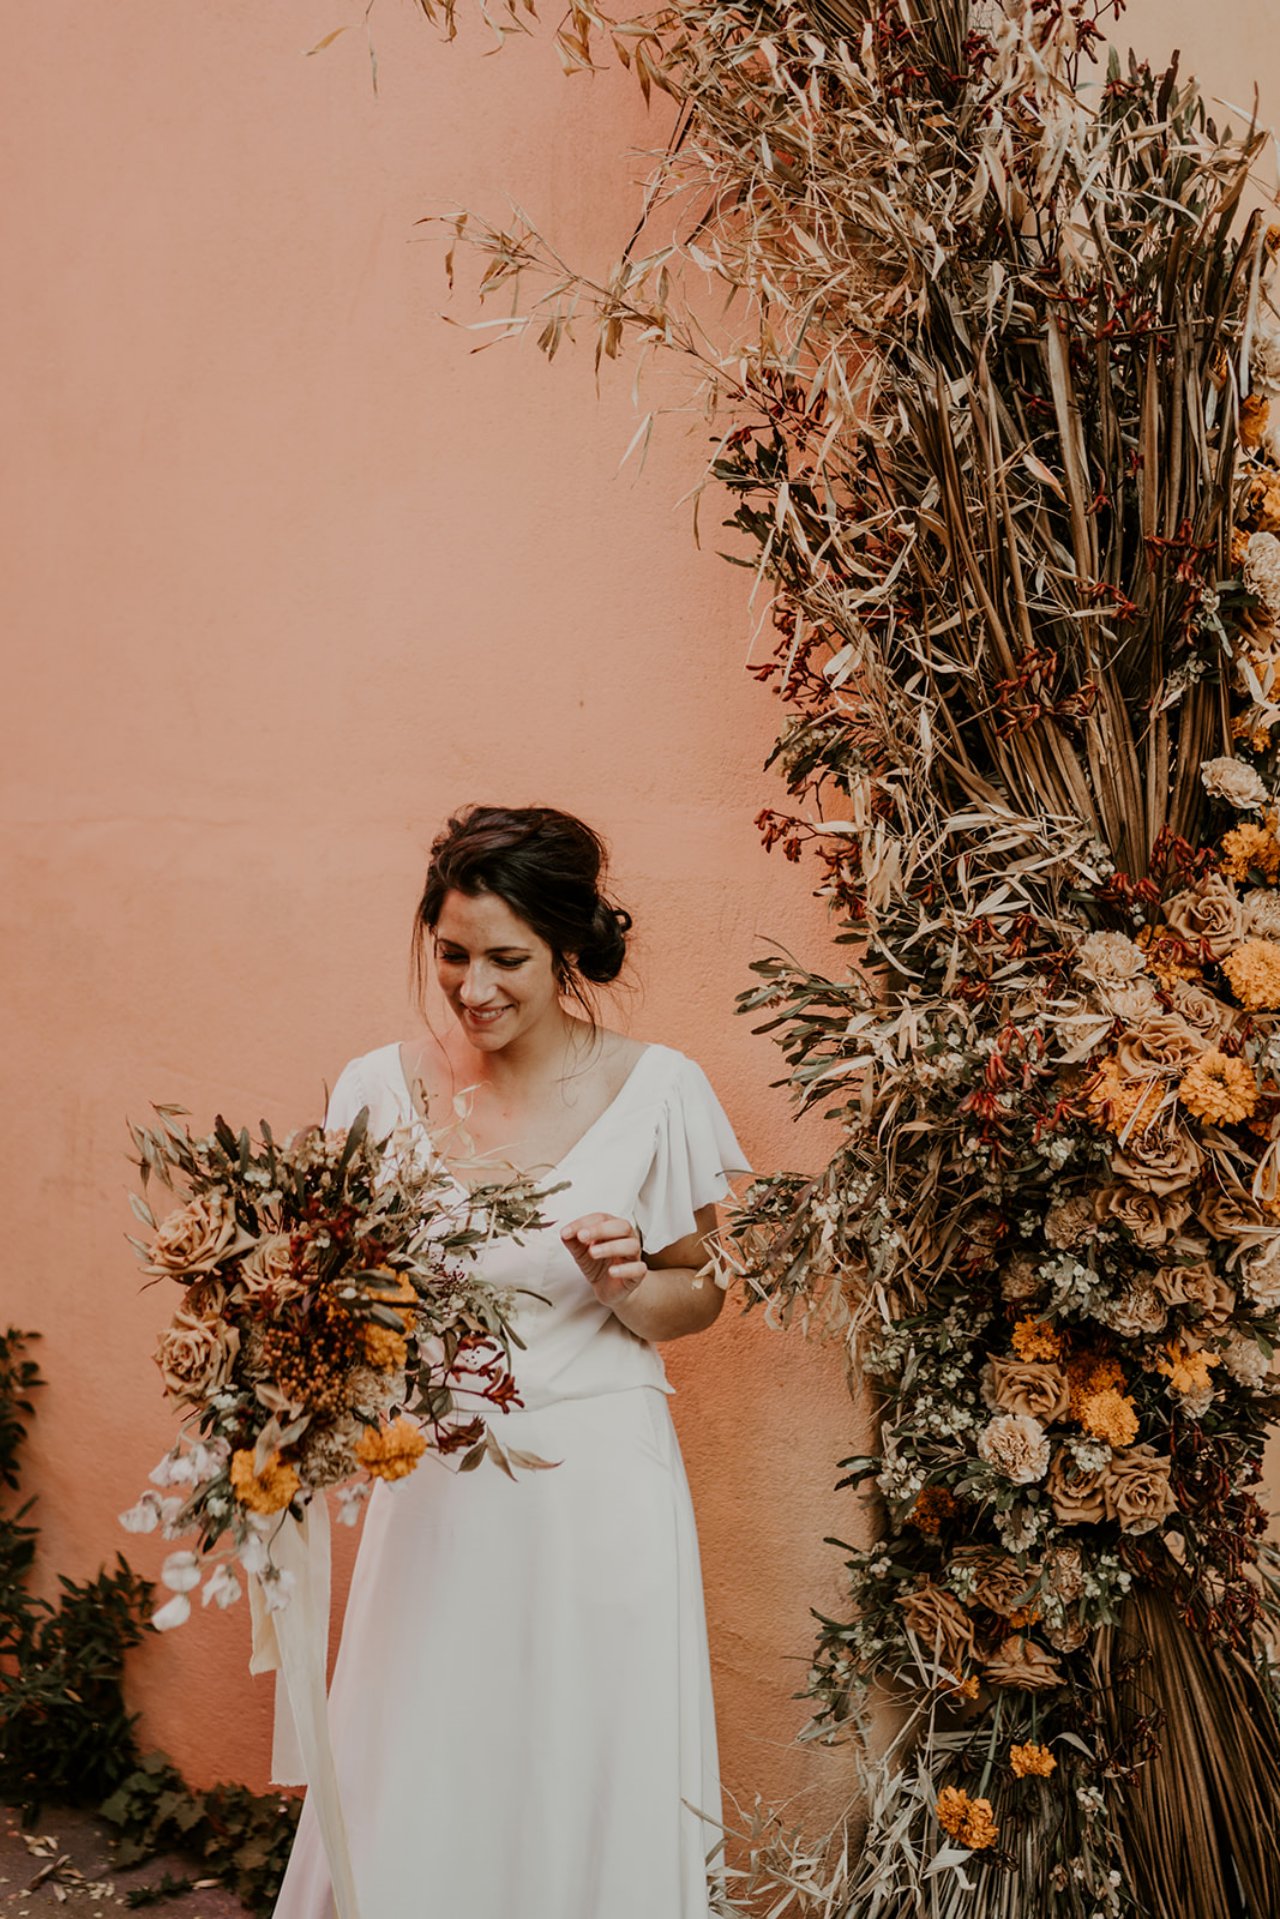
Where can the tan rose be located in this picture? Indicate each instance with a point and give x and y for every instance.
(1076, 1495)
(1018, 1663)
(999, 1583)
(1175, 1285)
(1209, 1296)
(1064, 1571)
(195, 1237)
(1068, 1637)
(1208, 914)
(1160, 1046)
(196, 1356)
(1034, 1386)
(1201, 1011)
(940, 1623)
(1016, 1446)
(269, 1269)
(1137, 1490)
(1069, 1223)
(1153, 1219)
(1232, 1214)
(1235, 782)
(1163, 1158)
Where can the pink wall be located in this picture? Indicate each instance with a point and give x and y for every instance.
(292, 572)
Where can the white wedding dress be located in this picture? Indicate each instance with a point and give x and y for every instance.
(521, 1703)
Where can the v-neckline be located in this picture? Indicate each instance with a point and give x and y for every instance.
(651, 1046)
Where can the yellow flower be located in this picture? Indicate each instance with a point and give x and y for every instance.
(1219, 1089)
(1109, 1415)
(1250, 848)
(1036, 1339)
(1116, 1099)
(1254, 972)
(1032, 1760)
(385, 1348)
(393, 1451)
(968, 1821)
(1187, 1372)
(267, 1491)
(1087, 1374)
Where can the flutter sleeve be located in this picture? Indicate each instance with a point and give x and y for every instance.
(347, 1097)
(695, 1155)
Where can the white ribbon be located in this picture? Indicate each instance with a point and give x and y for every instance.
(293, 1643)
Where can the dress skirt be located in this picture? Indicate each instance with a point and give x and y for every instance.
(521, 1702)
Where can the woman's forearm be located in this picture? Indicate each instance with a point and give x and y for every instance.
(670, 1302)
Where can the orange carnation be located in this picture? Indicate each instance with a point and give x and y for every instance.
(391, 1451)
(1254, 972)
(1218, 1088)
(933, 1506)
(1249, 848)
(1109, 1415)
(1032, 1761)
(1036, 1339)
(968, 1821)
(265, 1492)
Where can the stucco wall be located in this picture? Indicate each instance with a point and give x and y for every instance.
(292, 572)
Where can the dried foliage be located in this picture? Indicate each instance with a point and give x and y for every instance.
(992, 407)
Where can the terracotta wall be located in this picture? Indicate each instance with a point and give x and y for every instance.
(293, 570)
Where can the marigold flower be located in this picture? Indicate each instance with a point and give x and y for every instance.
(968, 1821)
(934, 1505)
(392, 1451)
(1187, 1371)
(1218, 1088)
(1109, 1415)
(1117, 1099)
(1036, 1339)
(384, 1347)
(1090, 1373)
(1032, 1761)
(1254, 972)
(1169, 957)
(265, 1492)
(1250, 848)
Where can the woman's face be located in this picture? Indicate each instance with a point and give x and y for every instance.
(496, 972)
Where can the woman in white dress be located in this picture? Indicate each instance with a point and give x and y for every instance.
(521, 1708)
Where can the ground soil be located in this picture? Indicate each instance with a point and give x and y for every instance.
(65, 1865)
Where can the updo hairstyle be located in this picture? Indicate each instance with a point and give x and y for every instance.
(550, 868)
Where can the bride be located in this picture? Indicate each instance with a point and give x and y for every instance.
(521, 1708)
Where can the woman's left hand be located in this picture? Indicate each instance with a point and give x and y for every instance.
(607, 1249)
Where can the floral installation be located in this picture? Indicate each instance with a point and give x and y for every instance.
(330, 1332)
(998, 415)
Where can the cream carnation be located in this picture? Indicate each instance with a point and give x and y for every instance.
(1235, 782)
(1262, 570)
(1110, 958)
(1016, 1445)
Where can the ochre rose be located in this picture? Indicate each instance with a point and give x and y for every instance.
(1162, 1045)
(1019, 1663)
(195, 1237)
(1196, 1005)
(999, 1583)
(196, 1356)
(1076, 1495)
(1152, 1218)
(1037, 1387)
(1163, 1158)
(1137, 1491)
(269, 1268)
(940, 1623)
(1208, 914)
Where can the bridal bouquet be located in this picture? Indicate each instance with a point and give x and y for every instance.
(329, 1331)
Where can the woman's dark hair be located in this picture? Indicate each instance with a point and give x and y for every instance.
(550, 869)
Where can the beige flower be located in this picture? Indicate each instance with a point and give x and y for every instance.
(1068, 1637)
(1260, 1275)
(1235, 782)
(1016, 1446)
(1018, 1663)
(1231, 1213)
(1197, 1007)
(1137, 1490)
(999, 1583)
(196, 1356)
(1076, 1494)
(1159, 1046)
(1138, 1311)
(1032, 1386)
(1020, 1280)
(940, 1623)
(1152, 1219)
(1070, 1222)
(1129, 1000)
(1262, 570)
(1208, 914)
(269, 1268)
(195, 1237)
(1110, 958)
(1064, 1572)
(1208, 1295)
(1264, 358)
(1162, 1158)
(1262, 913)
